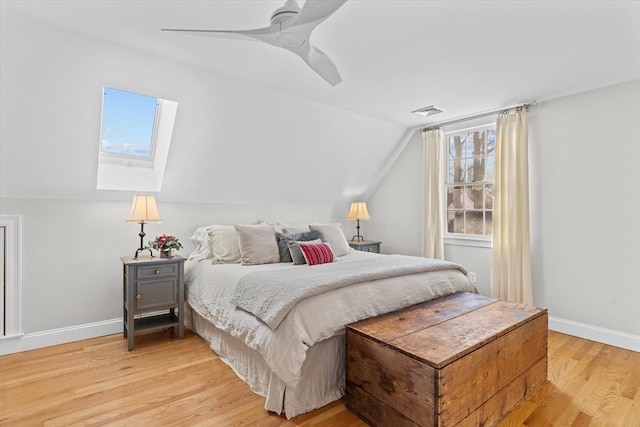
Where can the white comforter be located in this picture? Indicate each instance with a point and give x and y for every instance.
(210, 288)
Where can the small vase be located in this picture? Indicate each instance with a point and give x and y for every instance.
(166, 254)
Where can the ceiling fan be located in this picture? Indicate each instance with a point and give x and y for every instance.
(290, 29)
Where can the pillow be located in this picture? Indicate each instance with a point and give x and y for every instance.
(225, 248)
(317, 254)
(284, 228)
(296, 252)
(283, 239)
(200, 239)
(257, 244)
(295, 229)
(332, 234)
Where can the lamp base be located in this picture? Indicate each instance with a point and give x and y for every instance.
(139, 250)
(357, 237)
(142, 248)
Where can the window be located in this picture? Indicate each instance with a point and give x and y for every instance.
(469, 181)
(135, 137)
(128, 124)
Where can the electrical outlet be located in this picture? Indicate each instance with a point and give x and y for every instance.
(472, 276)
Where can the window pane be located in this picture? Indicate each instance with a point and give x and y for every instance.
(489, 168)
(455, 221)
(455, 197)
(127, 123)
(477, 170)
(488, 196)
(450, 175)
(479, 144)
(474, 222)
(473, 197)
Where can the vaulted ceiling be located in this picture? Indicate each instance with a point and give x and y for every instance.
(394, 56)
(252, 116)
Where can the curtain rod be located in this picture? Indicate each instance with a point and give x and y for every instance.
(477, 116)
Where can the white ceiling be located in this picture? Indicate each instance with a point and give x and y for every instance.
(394, 56)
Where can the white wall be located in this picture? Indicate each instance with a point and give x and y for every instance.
(585, 205)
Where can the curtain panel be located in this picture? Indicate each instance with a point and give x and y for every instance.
(432, 208)
(511, 259)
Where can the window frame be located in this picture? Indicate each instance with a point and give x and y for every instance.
(473, 240)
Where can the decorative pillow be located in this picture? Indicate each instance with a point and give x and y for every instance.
(257, 244)
(284, 239)
(225, 247)
(283, 248)
(317, 254)
(296, 252)
(332, 233)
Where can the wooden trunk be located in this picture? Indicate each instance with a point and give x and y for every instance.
(464, 359)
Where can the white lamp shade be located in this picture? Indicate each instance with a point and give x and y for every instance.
(359, 211)
(144, 209)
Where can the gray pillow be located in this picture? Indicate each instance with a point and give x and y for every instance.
(296, 252)
(284, 238)
(257, 244)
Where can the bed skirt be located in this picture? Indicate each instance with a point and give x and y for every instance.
(322, 380)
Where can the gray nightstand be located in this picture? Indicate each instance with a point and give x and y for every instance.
(365, 245)
(152, 285)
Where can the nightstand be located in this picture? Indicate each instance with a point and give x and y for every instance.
(365, 245)
(152, 285)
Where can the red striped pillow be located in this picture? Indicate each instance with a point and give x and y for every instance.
(319, 253)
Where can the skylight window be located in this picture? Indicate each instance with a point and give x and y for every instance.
(135, 137)
(128, 124)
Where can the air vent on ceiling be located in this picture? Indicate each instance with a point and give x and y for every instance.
(428, 111)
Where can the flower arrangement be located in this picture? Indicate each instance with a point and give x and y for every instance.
(165, 243)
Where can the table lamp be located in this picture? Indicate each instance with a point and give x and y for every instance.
(143, 211)
(357, 212)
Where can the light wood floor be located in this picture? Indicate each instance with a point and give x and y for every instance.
(170, 382)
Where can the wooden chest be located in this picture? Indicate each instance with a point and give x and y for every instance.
(464, 359)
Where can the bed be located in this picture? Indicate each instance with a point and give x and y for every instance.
(293, 354)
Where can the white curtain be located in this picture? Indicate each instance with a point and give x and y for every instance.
(511, 267)
(432, 209)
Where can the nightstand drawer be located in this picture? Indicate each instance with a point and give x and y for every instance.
(156, 295)
(157, 271)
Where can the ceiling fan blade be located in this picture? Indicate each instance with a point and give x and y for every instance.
(315, 11)
(267, 34)
(319, 62)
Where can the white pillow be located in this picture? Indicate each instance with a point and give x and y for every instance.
(223, 240)
(258, 244)
(200, 239)
(333, 234)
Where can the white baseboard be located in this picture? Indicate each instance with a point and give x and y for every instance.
(24, 342)
(595, 333)
(30, 341)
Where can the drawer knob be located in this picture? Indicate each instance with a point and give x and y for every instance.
(138, 296)
(157, 271)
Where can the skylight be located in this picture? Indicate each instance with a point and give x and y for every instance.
(128, 123)
(134, 140)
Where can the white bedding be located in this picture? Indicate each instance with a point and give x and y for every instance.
(209, 289)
